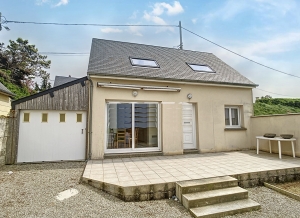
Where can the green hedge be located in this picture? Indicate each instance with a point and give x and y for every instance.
(290, 102)
(268, 109)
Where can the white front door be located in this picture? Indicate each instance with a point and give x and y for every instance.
(51, 135)
(188, 126)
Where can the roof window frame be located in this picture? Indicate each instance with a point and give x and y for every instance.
(201, 71)
(146, 59)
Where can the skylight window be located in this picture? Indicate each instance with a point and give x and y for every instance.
(201, 68)
(143, 62)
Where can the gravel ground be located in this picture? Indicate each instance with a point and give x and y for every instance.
(273, 204)
(31, 189)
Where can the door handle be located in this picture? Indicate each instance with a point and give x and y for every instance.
(81, 131)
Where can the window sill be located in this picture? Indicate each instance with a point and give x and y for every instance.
(235, 129)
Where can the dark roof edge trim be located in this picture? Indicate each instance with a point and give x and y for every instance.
(14, 103)
(175, 80)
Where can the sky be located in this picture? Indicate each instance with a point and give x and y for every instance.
(267, 31)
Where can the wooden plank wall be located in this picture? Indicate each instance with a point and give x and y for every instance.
(75, 97)
(10, 142)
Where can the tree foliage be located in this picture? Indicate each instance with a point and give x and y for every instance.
(21, 64)
(19, 91)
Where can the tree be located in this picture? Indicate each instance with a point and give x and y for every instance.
(45, 84)
(24, 64)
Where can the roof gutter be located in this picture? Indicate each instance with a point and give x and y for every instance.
(164, 80)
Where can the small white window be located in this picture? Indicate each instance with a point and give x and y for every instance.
(62, 118)
(144, 62)
(26, 118)
(44, 117)
(201, 68)
(79, 118)
(232, 117)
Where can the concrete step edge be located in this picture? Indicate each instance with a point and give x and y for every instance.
(206, 181)
(223, 209)
(201, 199)
(213, 193)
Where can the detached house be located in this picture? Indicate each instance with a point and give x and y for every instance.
(137, 98)
(150, 98)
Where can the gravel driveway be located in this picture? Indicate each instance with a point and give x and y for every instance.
(31, 189)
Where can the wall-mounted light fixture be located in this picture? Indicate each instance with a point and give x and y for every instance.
(134, 93)
(189, 96)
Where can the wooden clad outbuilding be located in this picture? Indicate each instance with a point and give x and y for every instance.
(44, 124)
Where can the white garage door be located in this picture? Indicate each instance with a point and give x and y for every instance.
(51, 136)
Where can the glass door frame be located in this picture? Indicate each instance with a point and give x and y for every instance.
(132, 149)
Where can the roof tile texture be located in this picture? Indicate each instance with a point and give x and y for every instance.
(112, 58)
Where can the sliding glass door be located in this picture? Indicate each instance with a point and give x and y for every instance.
(132, 127)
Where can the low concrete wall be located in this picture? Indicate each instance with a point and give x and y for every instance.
(279, 124)
(3, 138)
(168, 189)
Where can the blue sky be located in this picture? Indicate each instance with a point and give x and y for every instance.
(267, 31)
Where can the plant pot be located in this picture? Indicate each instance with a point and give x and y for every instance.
(286, 136)
(269, 135)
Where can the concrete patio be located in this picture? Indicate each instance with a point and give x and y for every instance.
(146, 178)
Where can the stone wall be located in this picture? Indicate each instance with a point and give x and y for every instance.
(3, 138)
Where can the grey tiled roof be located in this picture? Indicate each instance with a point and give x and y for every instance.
(5, 90)
(111, 58)
(59, 80)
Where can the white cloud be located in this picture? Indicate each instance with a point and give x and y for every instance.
(154, 19)
(159, 8)
(40, 2)
(135, 30)
(281, 7)
(194, 20)
(157, 20)
(134, 15)
(231, 8)
(278, 44)
(111, 30)
(62, 2)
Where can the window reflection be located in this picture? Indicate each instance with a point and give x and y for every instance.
(123, 134)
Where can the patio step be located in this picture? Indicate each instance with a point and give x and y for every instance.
(225, 209)
(192, 186)
(134, 154)
(200, 199)
(214, 197)
(190, 151)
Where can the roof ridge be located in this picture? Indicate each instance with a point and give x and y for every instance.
(181, 50)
